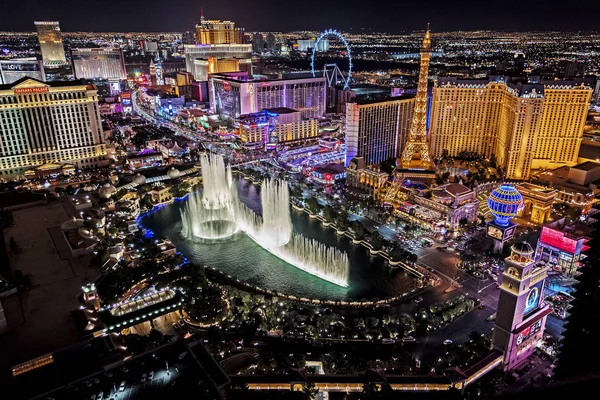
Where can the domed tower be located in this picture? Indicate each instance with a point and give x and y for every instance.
(173, 173)
(139, 179)
(504, 203)
(521, 315)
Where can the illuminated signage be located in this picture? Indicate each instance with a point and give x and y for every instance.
(500, 233)
(529, 332)
(226, 86)
(533, 298)
(43, 89)
(494, 232)
(558, 239)
(30, 67)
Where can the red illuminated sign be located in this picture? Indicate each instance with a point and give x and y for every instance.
(31, 90)
(328, 177)
(558, 239)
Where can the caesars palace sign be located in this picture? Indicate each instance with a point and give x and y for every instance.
(25, 90)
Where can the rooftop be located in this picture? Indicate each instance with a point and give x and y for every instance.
(266, 80)
(587, 166)
(52, 84)
(382, 100)
(281, 110)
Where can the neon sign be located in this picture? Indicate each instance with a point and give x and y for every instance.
(558, 239)
(31, 90)
(529, 332)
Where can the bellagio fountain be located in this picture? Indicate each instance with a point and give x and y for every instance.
(216, 214)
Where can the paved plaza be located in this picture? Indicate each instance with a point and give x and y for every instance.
(39, 319)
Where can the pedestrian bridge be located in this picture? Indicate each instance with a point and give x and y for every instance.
(453, 378)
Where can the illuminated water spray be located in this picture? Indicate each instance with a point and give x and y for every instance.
(218, 214)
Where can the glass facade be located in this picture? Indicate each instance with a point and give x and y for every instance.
(51, 43)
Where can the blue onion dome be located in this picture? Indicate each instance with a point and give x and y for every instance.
(504, 203)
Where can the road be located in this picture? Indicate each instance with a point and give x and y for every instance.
(443, 263)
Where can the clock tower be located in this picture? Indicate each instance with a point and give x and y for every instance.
(521, 315)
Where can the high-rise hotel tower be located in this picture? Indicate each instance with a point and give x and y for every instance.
(524, 125)
(52, 122)
(51, 43)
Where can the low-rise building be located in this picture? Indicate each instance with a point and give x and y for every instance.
(161, 194)
(584, 173)
(561, 245)
(276, 125)
(145, 158)
(537, 202)
(575, 185)
(359, 176)
(453, 202)
(329, 174)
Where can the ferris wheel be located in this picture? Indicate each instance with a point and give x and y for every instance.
(334, 75)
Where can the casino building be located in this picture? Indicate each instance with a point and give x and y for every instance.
(14, 69)
(521, 315)
(561, 245)
(54, 122)
(276, 125)
(233, 95)
(103, 63)
(525, 125)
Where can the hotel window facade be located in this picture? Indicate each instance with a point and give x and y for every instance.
(525, 126)
(103, 63)
(49, 123)
(231, 98)
(377, 130)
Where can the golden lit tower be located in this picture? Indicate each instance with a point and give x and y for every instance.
(416, 151)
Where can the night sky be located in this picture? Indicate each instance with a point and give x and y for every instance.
(276, 15)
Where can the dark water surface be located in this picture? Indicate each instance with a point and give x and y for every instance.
(370, 276)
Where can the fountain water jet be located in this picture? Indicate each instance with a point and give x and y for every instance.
(210, 215)
(218, 213)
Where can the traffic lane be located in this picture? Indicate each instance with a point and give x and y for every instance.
(442, 261)
(458, 331)
(487, 292)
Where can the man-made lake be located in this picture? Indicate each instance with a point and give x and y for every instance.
(370, 276)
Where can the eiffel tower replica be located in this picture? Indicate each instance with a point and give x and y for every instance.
(415, 163)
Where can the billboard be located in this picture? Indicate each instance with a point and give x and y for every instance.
(501, 233)
(558, 239)
(534, 297)
(13, 70)
(529, 332)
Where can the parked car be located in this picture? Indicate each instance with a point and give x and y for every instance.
(408, 339)
(122, 387)
(448, 341)
(151, 375)
(388, 341)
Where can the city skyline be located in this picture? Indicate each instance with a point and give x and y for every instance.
(351, 15)
(222, 208)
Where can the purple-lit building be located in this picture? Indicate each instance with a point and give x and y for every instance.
(276, 125)
(522, 312)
